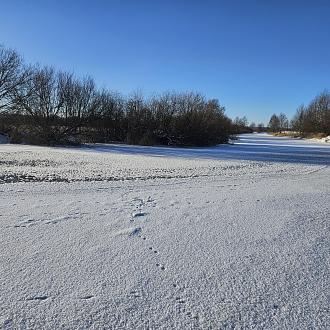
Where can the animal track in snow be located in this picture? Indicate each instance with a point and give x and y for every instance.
(138, 214)
(140, 236)
(136, 231)
(37, 298)
(87, 297)
(135, 294)
(162, 267)
(139, 203)
(32, 222)
(180, 299)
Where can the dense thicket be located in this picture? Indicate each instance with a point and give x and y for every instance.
(44, 106)
(314, 118)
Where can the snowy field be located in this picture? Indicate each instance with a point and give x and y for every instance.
(123, 237)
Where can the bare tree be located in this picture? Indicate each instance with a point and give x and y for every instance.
(12, 75)
(314, 118)
(284, 122)
(57, 107)
(297, 122)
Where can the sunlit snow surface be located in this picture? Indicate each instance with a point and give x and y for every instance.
(123, 237)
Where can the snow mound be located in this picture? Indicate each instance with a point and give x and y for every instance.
(326, 139)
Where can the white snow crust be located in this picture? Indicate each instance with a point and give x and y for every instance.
(126, 237)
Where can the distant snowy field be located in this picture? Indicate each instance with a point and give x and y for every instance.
(127, 237)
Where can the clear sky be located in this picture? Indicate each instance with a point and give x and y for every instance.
(256, 57)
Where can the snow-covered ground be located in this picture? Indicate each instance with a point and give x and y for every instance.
(123, 237)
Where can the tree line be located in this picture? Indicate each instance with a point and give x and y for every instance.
(311, 119)
(41, 105)
(241, 125)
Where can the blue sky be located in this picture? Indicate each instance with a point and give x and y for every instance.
(256, 57)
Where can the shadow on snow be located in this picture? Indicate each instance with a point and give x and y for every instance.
(254, 147)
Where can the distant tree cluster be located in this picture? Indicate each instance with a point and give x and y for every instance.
(278, 123)
(44, 106)
(241, 125)
(259, 128)
(314, 118)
